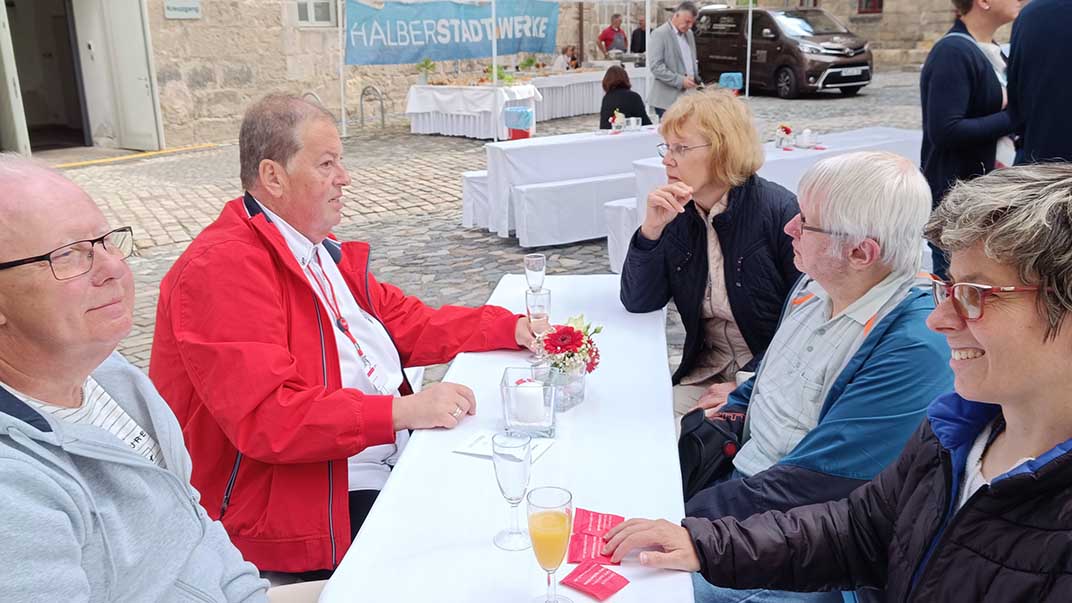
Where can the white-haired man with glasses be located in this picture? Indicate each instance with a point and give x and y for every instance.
(852, 366)
(94, 477)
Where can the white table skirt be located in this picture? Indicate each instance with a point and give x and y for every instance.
(469, 111)
(428, 537)
(569, 94)
(556, 158)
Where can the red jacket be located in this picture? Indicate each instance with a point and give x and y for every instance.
(244, 354)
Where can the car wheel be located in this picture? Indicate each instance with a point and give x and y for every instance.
(785, 83)
(850, 91)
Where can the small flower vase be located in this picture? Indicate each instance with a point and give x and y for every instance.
(422, 79)
(571, 389)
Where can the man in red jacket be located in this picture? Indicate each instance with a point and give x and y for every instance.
(282, 355)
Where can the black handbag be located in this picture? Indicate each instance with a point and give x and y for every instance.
(707, 447)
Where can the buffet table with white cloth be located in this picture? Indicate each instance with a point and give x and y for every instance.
(429, 535)
(469, 111)
(557, 158)
(579, 93)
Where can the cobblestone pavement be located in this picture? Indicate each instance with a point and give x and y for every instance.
(406, 201)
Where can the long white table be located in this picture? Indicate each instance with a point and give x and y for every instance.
(428, 537)
(469, 111)
(556, 158)
(579, 93)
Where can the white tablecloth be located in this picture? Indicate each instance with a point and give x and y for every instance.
(428, 537)
(468, 111)
(569, 94)
(787, 167)
(554, 158)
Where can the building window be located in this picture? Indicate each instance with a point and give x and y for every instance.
(316, 13)
(870, 6)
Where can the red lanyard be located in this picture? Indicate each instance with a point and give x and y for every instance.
(333, 306)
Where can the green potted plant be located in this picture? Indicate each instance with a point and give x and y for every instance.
(424, 69)
(528, 63)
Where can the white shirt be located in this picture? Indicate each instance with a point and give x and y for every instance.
(805, 358)
(973, 467)
(99, 409)
(370, 468)
(686, 53)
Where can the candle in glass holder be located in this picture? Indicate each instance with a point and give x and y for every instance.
(528, 402)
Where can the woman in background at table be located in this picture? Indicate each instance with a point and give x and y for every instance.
(713, 240)
(619, 97)
(962, 90)
(978, 506)
(567, 60)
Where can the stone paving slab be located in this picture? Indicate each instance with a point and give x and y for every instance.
(405, 200)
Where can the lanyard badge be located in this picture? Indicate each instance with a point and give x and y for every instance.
(375, 376)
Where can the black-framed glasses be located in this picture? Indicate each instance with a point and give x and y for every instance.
(969, 299)
(75, 259)
(676, 150)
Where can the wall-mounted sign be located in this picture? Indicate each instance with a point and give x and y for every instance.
(405, 32)
(182, 9)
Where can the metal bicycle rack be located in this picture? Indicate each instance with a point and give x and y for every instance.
(376, 94)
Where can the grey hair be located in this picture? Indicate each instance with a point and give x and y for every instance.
(271, 130)
(687, 7)
(872, 195)
(1023, 218)
(616, 16)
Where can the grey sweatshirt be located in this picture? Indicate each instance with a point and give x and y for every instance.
(87, 519)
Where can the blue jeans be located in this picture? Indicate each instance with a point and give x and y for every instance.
(706, 592)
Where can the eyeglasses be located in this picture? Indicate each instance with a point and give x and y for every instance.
(804, 226)
(75, 259)
(676, 150)
(969, 298)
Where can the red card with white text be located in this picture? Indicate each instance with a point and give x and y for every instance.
(586, 547)
(596, 524)
(595, 580)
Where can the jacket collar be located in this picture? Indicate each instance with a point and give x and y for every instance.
(254, 209)
(17, 409)
(956, 422)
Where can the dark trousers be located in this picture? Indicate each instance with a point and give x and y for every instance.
(360, 504)
(659, 112)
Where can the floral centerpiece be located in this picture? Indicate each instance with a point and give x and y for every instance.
(617, 120)
(783, 136)
(570, 348)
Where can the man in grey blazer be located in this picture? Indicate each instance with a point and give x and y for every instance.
(672, 58)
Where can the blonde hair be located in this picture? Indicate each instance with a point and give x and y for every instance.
(724, 122)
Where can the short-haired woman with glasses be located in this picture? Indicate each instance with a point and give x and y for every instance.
(712, 240)
(978, 506)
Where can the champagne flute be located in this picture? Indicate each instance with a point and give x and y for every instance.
(512, 456)
(535, 267)
(538, 307)
(550, 516)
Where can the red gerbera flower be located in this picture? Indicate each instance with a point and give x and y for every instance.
(563, 339)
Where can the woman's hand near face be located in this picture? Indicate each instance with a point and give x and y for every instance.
(664, 204)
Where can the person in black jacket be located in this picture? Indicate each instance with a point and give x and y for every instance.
(962, 90)
(1039, 88)
(713, 241)
(619, 97)
(977, 507)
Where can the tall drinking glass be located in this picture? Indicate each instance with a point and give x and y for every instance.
(550, 517)
(535, 267)
(538, 307)
(512, 455)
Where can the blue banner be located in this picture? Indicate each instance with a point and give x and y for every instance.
(401, 33)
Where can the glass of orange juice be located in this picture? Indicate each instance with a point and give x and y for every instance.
(550, 519)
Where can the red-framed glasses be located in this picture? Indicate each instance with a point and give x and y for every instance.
(969, 298)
